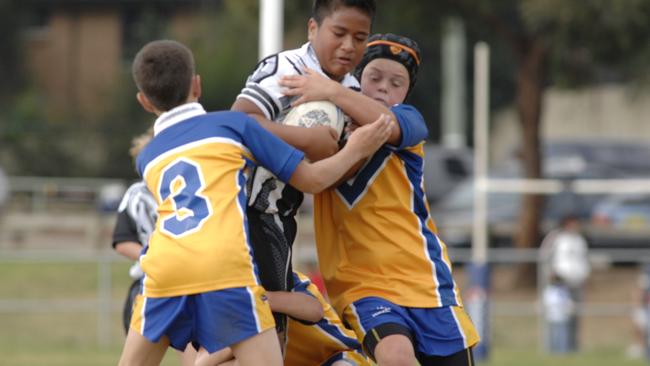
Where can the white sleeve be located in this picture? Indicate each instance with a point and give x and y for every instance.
(262, 86)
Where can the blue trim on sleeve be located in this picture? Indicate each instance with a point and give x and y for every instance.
(414, 129)
(271, 152)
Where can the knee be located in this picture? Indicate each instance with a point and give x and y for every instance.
(395, 350)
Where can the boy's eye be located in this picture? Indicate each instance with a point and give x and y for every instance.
(361, 38)
(339, 34)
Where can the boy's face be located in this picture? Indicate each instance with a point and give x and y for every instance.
(385, 81)
(340, 40)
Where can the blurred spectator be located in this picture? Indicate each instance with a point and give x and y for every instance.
(559, 309)
(639, 315)
(565, 256)
(109, 197)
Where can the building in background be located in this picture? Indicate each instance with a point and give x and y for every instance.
(76, 49)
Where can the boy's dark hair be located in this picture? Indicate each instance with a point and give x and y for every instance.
(163, 71)
(323, 8)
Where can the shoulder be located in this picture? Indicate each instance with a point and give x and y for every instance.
(407, 111)
(289, 62)
(134, 191)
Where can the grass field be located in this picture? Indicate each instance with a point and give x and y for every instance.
(54, 335)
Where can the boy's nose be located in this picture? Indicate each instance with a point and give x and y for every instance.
(347, 44)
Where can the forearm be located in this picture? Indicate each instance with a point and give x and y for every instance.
(316, 142)
(363, 110)
(297, 305)
(292, 135)
(129, 249)
(318, 176)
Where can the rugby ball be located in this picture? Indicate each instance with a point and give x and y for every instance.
(316, 113)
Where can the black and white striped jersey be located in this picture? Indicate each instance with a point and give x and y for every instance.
(136, 215)
(266, 193)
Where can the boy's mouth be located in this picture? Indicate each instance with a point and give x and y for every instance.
(344, 61)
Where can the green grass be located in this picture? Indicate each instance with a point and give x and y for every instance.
(531, 357)
(53, 337)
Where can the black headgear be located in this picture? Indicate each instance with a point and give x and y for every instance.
(391, 46)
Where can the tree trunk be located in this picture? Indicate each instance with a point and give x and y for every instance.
(530, 85)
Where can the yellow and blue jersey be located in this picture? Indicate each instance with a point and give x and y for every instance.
(327, 340)
(375, 235)
(196, 168)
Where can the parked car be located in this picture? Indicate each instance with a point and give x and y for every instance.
(444, 168)
(454, 214)
(621, 220)
(565, 160)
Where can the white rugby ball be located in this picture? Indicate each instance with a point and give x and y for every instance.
(316, 113)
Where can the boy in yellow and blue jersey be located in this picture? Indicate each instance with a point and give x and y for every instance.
(326, 342)
(200, 282)
(385, 268)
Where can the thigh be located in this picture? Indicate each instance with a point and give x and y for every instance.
(261, 349)
(203, 358)
(140, 351)
(461, 358)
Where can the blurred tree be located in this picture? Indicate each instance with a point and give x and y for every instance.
(11, 70)
(225, 49)
(563, 42)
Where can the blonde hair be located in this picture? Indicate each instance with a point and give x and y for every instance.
(139, 142)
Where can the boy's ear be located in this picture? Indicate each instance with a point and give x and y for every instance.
(195, 91)
(145, 103)
(312, 29)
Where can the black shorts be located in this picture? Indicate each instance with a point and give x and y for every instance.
(127, 311)
(272, 248)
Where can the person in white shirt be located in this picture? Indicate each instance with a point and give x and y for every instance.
(565, 254)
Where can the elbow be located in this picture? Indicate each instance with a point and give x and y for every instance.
(315, 184)
(316, 187)
(315, 313)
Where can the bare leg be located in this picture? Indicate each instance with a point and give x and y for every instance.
(139, 351)
(261, 349)
(188, 357)
(395, 350)
(221, 357)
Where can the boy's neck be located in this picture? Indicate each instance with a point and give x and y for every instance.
(339, 79)
(190, 100)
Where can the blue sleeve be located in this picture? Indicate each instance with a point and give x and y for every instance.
(269, 150)
(301, 285)
(414, 129)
